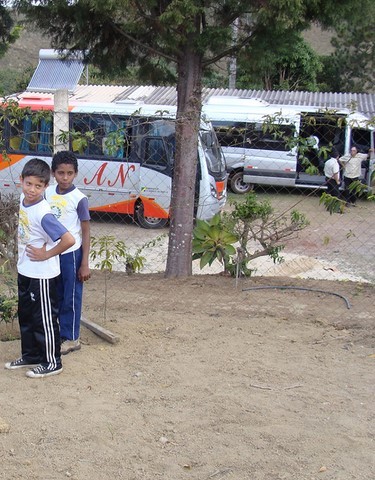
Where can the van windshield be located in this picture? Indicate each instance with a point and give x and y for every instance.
(214, 155)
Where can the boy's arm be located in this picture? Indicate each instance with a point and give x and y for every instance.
(84, 269)
(40, 254)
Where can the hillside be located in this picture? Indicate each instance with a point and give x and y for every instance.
(25, 52)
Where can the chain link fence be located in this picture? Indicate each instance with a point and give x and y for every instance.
(126, 169)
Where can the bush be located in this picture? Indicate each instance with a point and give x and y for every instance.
(9, 205)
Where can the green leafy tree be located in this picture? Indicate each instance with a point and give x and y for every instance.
(173, 41)
(350, 68)
(279, 61)
(8, 31)
(14, 81)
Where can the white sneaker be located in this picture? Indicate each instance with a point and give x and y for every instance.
(68, 346)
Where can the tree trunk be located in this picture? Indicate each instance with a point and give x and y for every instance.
(189, 93)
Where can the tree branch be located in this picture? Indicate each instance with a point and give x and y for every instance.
(228, 52)
(142, 45)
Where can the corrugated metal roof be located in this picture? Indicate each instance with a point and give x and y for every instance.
(55, 72)
(361, 102)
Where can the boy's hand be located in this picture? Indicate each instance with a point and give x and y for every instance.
(83, 273)
(37, 254)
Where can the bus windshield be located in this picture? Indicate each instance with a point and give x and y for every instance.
(214, 155)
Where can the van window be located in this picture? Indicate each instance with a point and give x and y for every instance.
(252, 135)
(230, 134)
(361, 139)
(259, 139)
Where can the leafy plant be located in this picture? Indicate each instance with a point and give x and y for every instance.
(8, 295)
(332, 204)
(9, 205)
(253, 229)
(212, 241)
(261, 231)
(107, 251)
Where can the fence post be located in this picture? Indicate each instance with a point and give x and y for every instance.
(60, 119)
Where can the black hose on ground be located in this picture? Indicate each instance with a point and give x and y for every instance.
(285, 287)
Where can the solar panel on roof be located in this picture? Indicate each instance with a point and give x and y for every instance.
(56, 71)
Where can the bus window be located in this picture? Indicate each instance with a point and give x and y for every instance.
(157, 138)
(100, 136)
(161, 128)
(29, 136)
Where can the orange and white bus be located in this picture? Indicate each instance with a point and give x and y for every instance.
(125, 154)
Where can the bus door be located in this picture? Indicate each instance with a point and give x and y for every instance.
(106, 173)
(155, 147)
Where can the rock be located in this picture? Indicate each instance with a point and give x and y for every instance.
(4, 426)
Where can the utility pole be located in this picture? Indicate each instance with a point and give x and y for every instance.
(232, 62)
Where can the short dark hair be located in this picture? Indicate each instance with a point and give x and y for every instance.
(37, 168)
(64, 156)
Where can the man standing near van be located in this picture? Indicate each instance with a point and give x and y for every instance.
(352, 164)
(332, 174)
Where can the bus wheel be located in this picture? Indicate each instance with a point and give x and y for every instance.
(148, 222)
(237, 185)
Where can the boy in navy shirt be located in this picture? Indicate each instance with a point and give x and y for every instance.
(70, 206)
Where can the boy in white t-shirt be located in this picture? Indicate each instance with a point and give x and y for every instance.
(38, 268)
(70, 206)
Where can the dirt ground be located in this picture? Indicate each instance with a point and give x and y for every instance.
(208, 381)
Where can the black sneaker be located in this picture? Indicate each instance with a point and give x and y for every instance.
(20, 363)
(44, 371)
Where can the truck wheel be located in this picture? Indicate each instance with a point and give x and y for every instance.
(237, 185)
(148, 222)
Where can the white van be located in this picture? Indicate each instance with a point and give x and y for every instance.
(257, 141)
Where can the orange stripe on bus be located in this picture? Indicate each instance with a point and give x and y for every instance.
(11, 160)
(151, 208)
(126, 207)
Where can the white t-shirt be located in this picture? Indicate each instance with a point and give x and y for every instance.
(38, 226)
(70, 208)
(331, 167)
